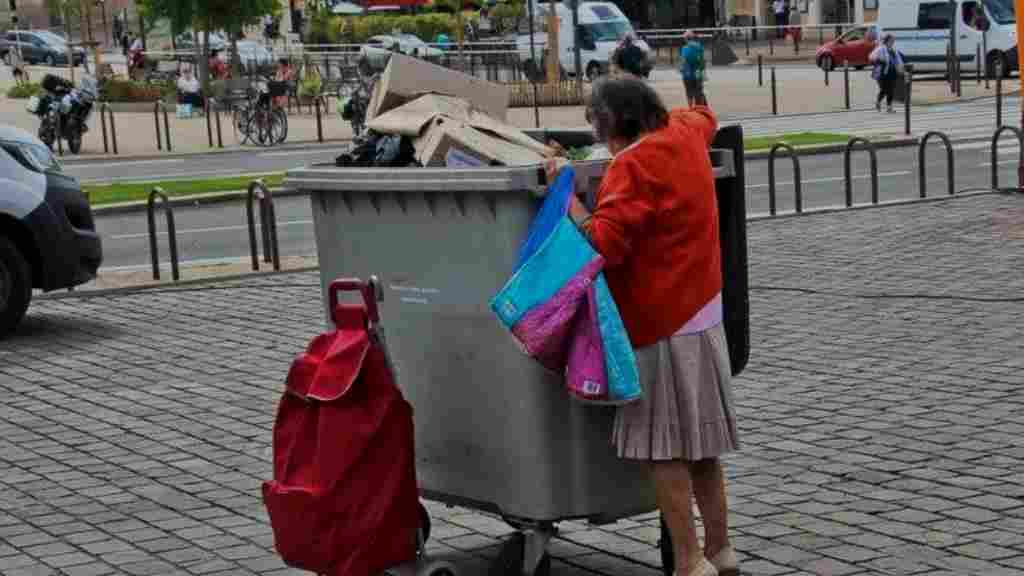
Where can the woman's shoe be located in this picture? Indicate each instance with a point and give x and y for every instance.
(705, 568)
(725, 562)
(878, 106)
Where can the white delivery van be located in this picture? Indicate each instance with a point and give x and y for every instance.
(921, 29)
(602, 27)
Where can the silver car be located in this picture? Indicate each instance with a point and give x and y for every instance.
(376, 52)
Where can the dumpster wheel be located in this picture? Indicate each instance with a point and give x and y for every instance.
(512, 559)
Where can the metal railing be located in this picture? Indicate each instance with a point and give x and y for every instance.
(995, 155)
(172, 235)
(157, 107)
(798, 198)
(106, 111)
(848, 169)
(950, 165)
(268, 225)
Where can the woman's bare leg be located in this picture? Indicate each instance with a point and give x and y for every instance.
(675, 499)
(709, 491)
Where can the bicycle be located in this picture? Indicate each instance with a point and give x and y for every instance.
(261, 121)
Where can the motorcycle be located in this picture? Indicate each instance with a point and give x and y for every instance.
(64, 110)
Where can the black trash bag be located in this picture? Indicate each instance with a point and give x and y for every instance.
(362, 153)
(395, 152)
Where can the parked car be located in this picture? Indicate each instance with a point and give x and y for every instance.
(853, 47)
(48, 238)
(376, 52)
(186, 41)
(251, 52)
(39, 47)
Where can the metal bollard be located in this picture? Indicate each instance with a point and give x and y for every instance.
(760, 70)
(977, 65)
(213, 107)
(848, 169)
(771, 45)
(846, 84)
(157, 107)
(999, 95)
(826, 74)
(268, 225)
(984, 51)
(950, 167)
(319, 121)
(775, 104)
(746, 40)
(908, 93)
(105, 112)
(58, 122)
(172, 236)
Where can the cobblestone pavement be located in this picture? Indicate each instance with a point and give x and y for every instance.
(881, 415)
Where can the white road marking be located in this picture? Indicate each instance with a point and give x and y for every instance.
(834, 179)
(208, 230)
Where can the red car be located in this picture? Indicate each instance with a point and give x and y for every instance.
(854, 47)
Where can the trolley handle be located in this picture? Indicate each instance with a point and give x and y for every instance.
(370, 290)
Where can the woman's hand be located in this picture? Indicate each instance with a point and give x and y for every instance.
(553, 167)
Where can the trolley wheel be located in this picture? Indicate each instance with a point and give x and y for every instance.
(668, 554)
(511, 558)
(424, 524)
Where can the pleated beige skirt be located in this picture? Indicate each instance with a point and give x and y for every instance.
(686, 412)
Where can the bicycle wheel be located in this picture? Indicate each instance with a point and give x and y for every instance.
(281, 118)
(242, 122)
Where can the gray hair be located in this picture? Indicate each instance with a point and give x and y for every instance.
(625, 108)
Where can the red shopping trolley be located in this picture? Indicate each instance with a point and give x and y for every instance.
(344, 499)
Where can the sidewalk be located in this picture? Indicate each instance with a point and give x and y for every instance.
(733, 91)
(879, 415)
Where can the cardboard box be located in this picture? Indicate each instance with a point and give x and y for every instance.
(412, 118)
(446, 134)
(405, 78)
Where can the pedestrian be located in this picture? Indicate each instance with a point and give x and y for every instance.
(189, 90)
(779, 7)
(692, 68)
(655, 222)
(630, 57)
(887, 68)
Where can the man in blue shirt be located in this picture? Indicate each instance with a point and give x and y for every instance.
(692, 69)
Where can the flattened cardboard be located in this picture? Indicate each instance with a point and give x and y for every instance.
(406, 77)
(445, 134)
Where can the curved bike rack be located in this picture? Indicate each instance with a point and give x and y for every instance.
(268, 225)
(798, 197)
(847, 169)
(950, 167)
(157, 107)
(995, 156)
(213, 107)
(106, 111)
(172, 236)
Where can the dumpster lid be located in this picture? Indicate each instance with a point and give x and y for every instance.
(330, 178)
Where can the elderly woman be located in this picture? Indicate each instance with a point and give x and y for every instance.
(656, 224)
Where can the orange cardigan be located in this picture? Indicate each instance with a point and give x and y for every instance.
(656, 224)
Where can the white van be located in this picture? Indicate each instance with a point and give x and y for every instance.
(921, 29)
(602, 27)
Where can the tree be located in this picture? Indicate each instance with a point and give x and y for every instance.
(208, 16)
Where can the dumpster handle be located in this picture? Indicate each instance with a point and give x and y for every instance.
(371, 292)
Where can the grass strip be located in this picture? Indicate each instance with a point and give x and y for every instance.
(794, 139)
(100, 194)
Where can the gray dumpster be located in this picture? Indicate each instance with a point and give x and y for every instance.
(494, 430)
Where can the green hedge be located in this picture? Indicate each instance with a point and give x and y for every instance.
(130, 91)
(24, 91)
